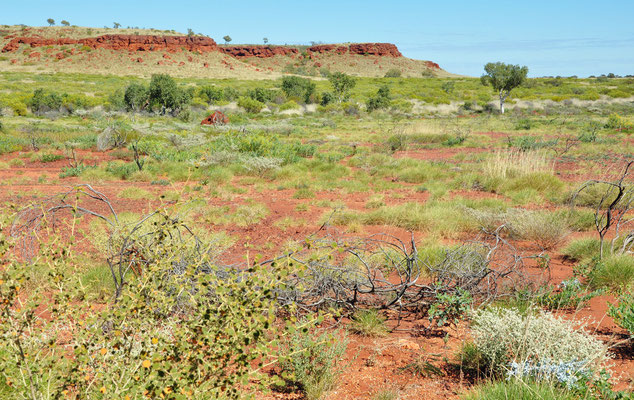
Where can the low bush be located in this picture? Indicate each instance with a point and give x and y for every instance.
(504, 336)
(519, 390)
(623, 313)
(250, 105)
(544, 228)
(570, 294)
(582, 250)
(393, 73)
(614, 273)
(368, 323)
(313, 361)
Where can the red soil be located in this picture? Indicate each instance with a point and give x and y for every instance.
(375, 364)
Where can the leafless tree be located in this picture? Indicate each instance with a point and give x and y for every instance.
(613, 209)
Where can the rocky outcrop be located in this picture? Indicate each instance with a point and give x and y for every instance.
(258, 51)
(122, 42)
(200, 44)
(217, 118)
(375, 49)
(328, 48)
(432, 65)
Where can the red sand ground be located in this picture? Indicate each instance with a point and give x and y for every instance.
(374, 363)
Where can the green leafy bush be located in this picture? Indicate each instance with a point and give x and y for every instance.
(623, 313)
(302, 88)
(211, 94)
(380, 101)
(135, 97)
(250, 105)
(393, 73)
(184, 328)
(313, 361)
(43, 101)
(615, 273)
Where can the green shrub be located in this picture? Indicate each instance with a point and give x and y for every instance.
(211, 94)
(582, 249)
(165, 95)
(302, 88)
(393, 73)
(380, 101)
(368, 323)
(45, 158)
(313, 361)
(250, 105)
(545, 228)
(569, 295)
(183, 332)
(623, 313)
(615, 273)
(43, 101)
(519, 390)
(135, 97)
(261, 95)
(289, 105)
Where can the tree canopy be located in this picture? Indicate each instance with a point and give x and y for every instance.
(503, 78)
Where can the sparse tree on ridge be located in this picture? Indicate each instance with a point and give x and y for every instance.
(227, 39)
(503, 78)
(116, 25)
(65, 23)
(265, 40)
(51, 21)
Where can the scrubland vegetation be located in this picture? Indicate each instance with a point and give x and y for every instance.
(333, 231)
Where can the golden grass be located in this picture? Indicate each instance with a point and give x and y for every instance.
(507, 164)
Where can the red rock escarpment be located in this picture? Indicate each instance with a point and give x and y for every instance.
(258, 51)
(122, 42)
(199, 44)
(375, 49)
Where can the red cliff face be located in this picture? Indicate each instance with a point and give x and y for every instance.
(432, 65)
(375, 49)
(200, 44)
(328, 48)
(123, 42)
(257, 51)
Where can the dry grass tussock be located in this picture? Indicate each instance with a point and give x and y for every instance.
(507, 164)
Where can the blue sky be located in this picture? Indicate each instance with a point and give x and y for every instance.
(556, 37)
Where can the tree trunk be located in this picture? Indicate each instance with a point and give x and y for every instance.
(502, 98)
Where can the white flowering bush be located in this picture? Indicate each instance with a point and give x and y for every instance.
(505, 336)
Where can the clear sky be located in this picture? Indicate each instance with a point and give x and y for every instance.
(556, 37)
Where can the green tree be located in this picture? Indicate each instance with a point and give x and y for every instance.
(341, 85)
(51, 21)
(43, 101)
(135, 97)
(265, 40)
(294, 86)
(165, 95)
(381, 100)
(116, 25)
(227, 39)
(211, 94)
(65, 23)
(503, 78)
